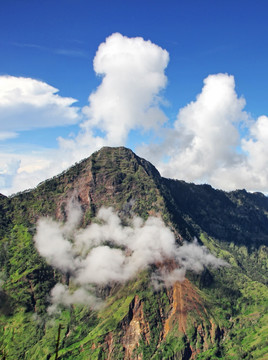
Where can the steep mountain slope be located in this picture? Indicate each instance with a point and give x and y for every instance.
(216, 313)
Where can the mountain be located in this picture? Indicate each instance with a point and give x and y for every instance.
(218, 310)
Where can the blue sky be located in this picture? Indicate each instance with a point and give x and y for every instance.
(55, 42)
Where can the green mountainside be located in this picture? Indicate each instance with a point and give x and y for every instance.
(217, 313)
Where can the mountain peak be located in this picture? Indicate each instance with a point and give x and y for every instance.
(209, 313)
(120, 155)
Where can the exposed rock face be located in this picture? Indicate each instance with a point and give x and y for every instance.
(109, 342)
(185, 300)
(186, 310)
(137, 327)
(80, 191)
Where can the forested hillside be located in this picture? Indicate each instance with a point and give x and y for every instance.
(109, 260)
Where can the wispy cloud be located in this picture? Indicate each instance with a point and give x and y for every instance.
(72, 53)
(79, 53)
(4, 135)
(30, 46)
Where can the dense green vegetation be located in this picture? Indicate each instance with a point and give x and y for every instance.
(230, 321)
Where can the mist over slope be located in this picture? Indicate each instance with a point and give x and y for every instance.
(132, 266)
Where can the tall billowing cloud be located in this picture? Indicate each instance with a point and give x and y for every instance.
(27, 103)
(207, 128)
(107, 251)
(132, 71)
(255, 146)
(206, 145)
(205, 135)
(252, 171)
(128, 98)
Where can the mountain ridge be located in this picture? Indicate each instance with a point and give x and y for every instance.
(144, 161)
(199, 318)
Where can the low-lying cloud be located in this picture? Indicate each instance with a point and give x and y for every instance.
(61, 294)
(106, 252)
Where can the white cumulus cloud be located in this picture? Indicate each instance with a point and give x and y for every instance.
(206, 145)
(132, 71)
(27, 103)
(205, 135)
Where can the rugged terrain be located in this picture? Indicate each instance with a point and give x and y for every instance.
(218, 313)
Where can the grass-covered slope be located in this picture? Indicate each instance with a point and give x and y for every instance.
(218, 314)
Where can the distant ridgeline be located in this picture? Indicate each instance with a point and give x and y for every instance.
(109, 260)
